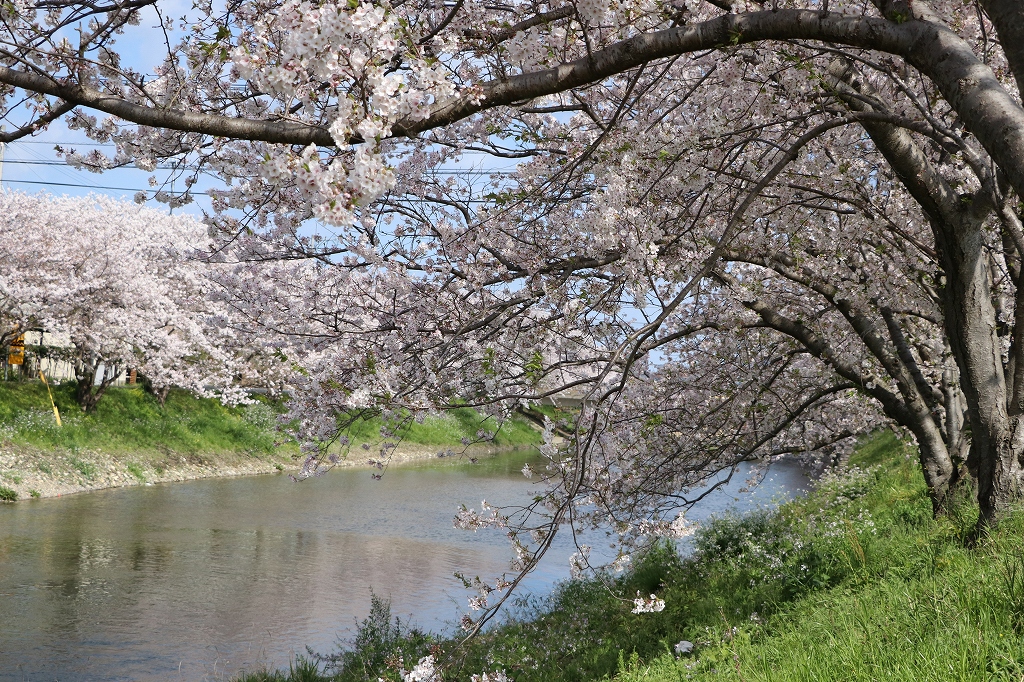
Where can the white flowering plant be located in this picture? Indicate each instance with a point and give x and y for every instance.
(805, 546)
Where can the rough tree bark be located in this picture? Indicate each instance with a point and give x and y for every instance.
(1008, 18)
(997, 437)
(87, 392)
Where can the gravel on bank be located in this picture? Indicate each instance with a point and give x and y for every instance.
(35, 473)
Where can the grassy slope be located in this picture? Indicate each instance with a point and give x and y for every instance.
(130, 420)
(854, 582)
(450, 429)
(913, 604)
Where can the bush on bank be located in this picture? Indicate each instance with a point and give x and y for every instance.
(855, 581)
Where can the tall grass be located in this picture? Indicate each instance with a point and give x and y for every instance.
(903, 600)
(855, 581)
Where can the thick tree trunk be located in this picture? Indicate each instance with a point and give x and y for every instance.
(997, 437)
(1008, 17)
(84, 395)
(940, 451)
(955, 431)
(940, 473)
(87, 391)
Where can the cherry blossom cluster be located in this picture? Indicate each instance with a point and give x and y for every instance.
(116, 286)
(650, 604)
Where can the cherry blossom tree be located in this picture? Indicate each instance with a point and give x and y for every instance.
(120, 282)
(734, 229)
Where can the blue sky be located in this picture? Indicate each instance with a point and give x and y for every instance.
(31, 164)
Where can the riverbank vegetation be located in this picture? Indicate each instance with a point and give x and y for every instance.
(131, 438)
(855, 581)
(456, 426)
(132, 420)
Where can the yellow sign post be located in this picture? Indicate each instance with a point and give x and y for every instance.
(16, 353)
(56, 414)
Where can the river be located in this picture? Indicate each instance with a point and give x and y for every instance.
(195, 581)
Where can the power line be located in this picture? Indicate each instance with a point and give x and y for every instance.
(80, 144)
(432, 171)
(194, 194)
(71, 184)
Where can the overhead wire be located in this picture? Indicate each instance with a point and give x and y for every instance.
(191, 193)
(439, 171)
(72, 184)
(65, 169)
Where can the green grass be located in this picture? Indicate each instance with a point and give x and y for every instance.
(87, 469)
(855, 581)
(7, 494)
(912, 601)
(126, 420)
(129, 420)
(449, 429)
(136, 470)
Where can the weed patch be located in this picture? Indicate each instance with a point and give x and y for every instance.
(87, 469)
(136, 470)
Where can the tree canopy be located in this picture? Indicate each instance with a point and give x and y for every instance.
(733, 230)
(117, 287)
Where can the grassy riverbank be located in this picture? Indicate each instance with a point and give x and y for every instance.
(129, 420)
(131, 439)
(855, 581)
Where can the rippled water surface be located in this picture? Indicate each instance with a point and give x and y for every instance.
(194, 581)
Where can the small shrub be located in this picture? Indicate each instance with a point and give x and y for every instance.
(35, 494)
(305, 670)
(7, 494)
(380, 640)
(263, 676)
(87, 469)
(260, 416)
(136, 470)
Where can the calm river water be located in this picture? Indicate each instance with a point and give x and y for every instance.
(194, 581)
